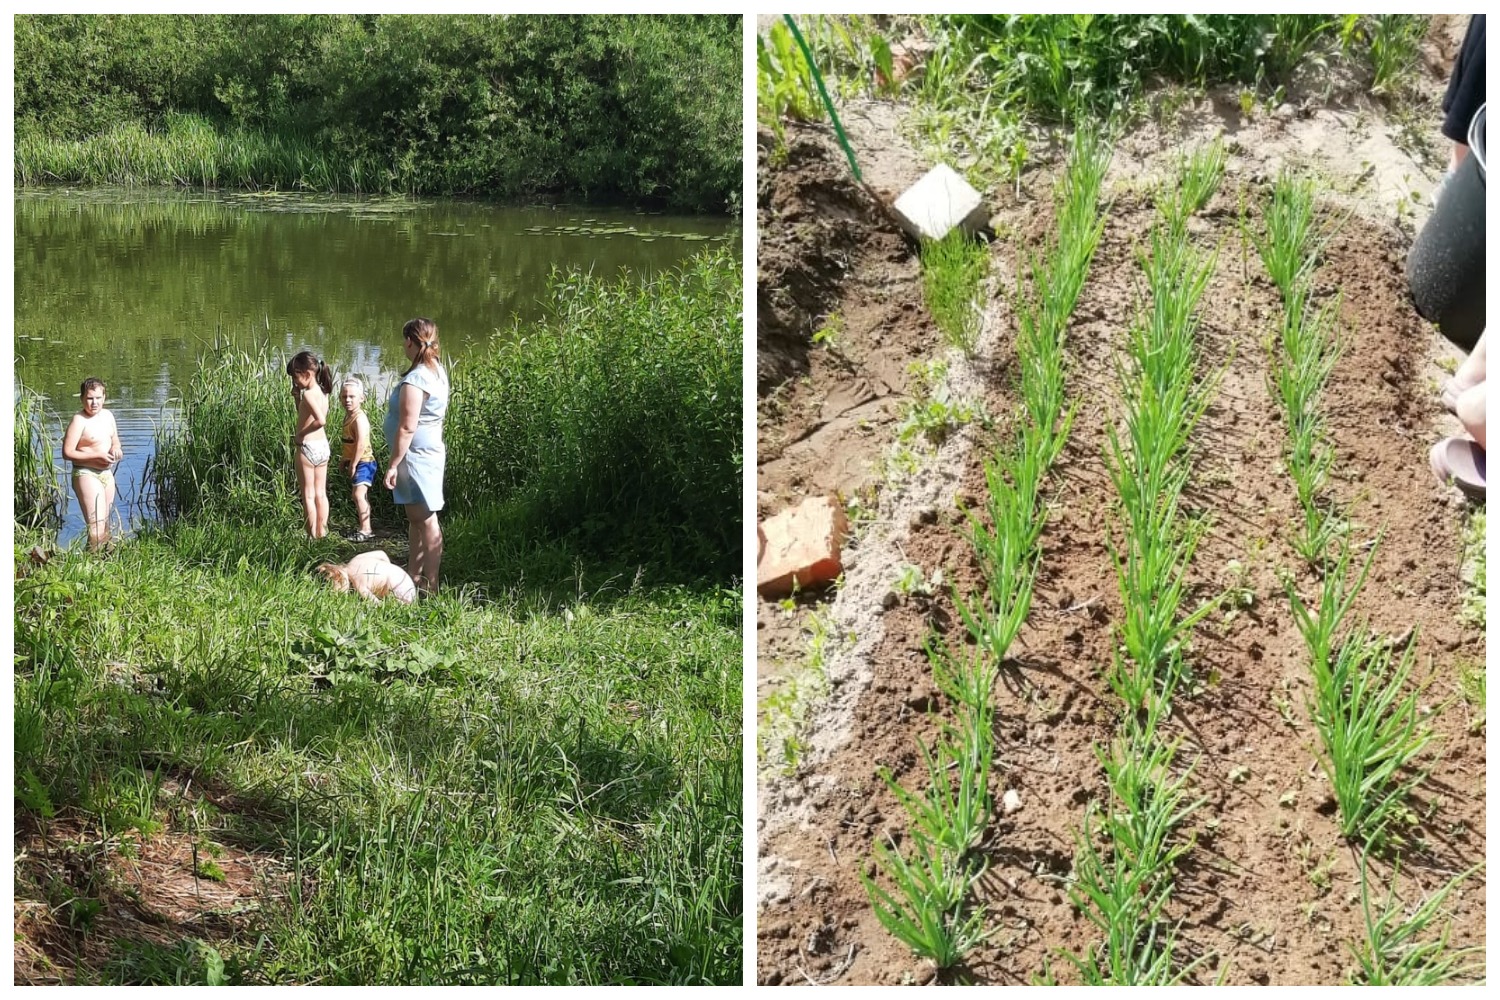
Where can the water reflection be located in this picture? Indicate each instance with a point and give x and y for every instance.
(134, 286)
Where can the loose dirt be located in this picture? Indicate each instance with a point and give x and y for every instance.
(85, 902)
(1269, 893)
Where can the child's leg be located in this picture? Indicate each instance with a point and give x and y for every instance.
(109, 505)
(90, 493)
(307, 490)
(362, 506)
(320, 497)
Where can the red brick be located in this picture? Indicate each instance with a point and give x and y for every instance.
(801, 543)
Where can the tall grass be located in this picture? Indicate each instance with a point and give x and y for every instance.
(616, 420)
(461, 791)
(37, 498)
(189, 151)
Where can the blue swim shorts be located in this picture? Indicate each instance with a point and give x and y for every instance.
(364, 474)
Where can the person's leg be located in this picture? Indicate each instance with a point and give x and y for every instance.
(306, 490)
(433, 558)
(362, 507)
(1470, 411)
(90, 493)
(1471, 371)
(320, 497)
(416, 534)
(109, 506)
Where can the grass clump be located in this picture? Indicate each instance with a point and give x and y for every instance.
(37, 498)
(953, 269)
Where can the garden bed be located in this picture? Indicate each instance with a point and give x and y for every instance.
(1268, 890)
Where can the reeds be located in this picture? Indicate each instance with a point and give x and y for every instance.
(190, 152)
(37, 497)
(617, 419)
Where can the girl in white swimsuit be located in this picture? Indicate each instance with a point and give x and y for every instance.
(312, 381)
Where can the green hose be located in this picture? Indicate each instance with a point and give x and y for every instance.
(838, 127)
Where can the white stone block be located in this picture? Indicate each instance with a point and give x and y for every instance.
(938, 202)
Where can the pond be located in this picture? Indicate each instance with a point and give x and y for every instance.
(135, 286)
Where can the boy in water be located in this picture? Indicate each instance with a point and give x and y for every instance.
(357, 457)
(92, 444)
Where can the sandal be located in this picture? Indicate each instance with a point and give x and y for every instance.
(1461, 462)
(360, 536)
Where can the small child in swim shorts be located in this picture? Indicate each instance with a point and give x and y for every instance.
(357, 458)
(312, 381)
(92, 444)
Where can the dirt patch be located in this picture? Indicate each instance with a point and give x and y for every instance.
(1269, 893)
(85, 901)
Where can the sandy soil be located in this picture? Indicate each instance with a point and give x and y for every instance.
(1268, 894)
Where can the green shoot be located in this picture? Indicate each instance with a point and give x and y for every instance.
(953, 268)
(1401, 948)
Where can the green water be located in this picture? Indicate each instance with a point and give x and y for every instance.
(135, 286)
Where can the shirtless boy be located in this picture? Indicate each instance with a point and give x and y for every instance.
(92, 444)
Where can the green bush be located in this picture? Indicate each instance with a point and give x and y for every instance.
(610, 108)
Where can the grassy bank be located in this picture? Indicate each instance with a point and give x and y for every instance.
(461, 791)
(226, 773)
(608, 108)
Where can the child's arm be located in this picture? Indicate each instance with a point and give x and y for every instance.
(116, 450)
(361, 438)
(307, 418)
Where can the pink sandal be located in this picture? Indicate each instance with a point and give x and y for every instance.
(1461, 462)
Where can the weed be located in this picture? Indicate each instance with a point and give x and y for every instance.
(1472, 570)
(911, 580)
(1471, 683)
(829, 334)
(932, 413)
(953, 269)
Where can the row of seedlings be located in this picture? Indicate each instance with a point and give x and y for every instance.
(929, 906)
(1127, 850)
(1368, 716)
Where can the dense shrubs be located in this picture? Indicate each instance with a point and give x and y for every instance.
(616, 107)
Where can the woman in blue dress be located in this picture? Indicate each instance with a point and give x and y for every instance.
(414, 431)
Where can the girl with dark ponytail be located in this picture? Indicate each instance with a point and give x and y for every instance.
(312, 381)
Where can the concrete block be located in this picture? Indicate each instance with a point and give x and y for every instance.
(938, 202)
(801, 543)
